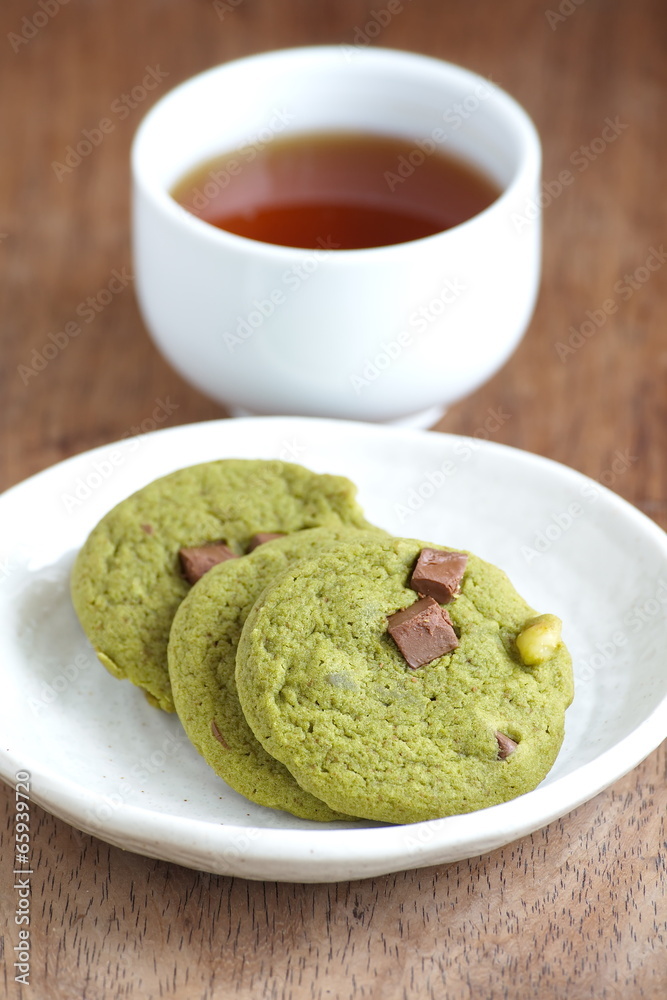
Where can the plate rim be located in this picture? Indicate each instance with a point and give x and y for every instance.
(165, 831)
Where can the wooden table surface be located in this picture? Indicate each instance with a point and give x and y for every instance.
(578, 909)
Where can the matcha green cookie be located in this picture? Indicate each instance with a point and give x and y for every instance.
(327, 692)
(127, 582)
(202, 657)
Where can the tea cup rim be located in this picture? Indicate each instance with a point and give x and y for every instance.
(525, 133)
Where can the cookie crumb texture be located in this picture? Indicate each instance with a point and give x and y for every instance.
(326, 691)
(127, 582)
(202, 659)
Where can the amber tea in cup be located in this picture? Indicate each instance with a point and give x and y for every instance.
(412, 170)
(344, 191)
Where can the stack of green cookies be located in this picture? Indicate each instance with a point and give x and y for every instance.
(280, 662)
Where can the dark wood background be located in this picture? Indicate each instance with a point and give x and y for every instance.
(577, 910)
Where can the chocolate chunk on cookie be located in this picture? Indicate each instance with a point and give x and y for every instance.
(422, 632)
(197, 561)
(438, 574)
(326, 690)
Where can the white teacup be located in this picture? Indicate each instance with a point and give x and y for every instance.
(387, 333)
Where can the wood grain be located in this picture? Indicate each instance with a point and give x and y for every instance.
(578, 909)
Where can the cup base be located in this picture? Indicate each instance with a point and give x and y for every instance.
(414, 421)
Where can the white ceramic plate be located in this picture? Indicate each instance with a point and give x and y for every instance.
(105, 761)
